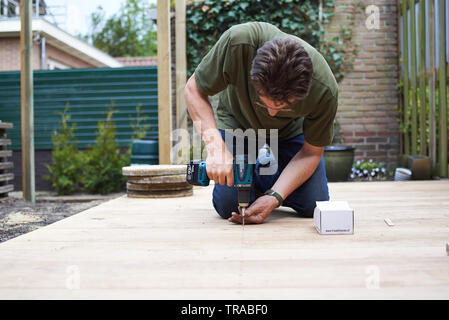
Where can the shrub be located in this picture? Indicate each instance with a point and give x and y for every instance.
(140, 130)
(68, 161)
(103, 171)
(97, 170)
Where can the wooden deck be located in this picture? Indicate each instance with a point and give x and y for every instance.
(179, 249)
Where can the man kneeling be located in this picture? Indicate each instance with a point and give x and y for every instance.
(267, 79)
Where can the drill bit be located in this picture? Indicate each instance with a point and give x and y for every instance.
(243, 217)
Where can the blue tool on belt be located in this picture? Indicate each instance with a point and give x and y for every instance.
(243, 178)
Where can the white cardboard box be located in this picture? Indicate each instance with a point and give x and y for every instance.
(333, 217)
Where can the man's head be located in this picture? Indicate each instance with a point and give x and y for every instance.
(282, 71)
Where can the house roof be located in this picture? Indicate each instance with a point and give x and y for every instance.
(62, 40)
(137, 61)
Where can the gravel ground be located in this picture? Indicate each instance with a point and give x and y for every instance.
(18, 217)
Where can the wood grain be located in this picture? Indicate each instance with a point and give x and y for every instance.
(27, 102)
(158, 179)
(179, 248)
(157, 186)
(164, 81)
(154, 170)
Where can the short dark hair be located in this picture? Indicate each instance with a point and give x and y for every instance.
(282, 70)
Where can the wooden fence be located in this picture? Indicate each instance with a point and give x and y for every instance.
(424, 63)
(5, 165)
(87, 92)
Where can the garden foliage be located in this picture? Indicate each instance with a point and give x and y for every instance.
(67, 160)
(104, 161)
(208, 19)
(98, 169)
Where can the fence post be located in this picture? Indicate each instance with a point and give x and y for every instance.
(181, 74)
(432, 84)
(405, 78)
(180, 60)
(422, 77)
(164, 81)
(27, 112)
(413, 75)
(442, 93)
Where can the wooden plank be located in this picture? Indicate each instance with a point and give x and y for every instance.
(182, 153)
(181, 60)
(6, 165)
(442, 147)
(5, 153)
(6, 177)
(414, 121)
(405, 79)
(432, 85)
(26, 93)
(7, 188)
(6, 125)
(5, 142)
(422, 78)
(164, 81)
(173, 248)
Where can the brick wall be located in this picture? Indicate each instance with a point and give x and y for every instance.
(10, 56)
(368, 97)
(8, 53)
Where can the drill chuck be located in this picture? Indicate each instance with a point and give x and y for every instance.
(244, 194)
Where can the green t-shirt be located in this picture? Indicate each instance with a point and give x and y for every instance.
(226, 69)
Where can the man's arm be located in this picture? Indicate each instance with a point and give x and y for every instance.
(299, 169)
(219, 159)
(317, 129)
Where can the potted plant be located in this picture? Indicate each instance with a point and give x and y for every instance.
(338, 157)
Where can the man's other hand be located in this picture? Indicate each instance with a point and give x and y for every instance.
(257, 212)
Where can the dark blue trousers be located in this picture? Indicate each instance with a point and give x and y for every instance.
(302, 200)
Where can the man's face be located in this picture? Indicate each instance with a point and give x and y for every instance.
(274, 107)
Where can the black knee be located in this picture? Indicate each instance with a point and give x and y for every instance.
(225, 200)
(303, 212)
(308, 213)
(224, 210)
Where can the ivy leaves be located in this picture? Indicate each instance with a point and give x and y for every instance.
(207, 20)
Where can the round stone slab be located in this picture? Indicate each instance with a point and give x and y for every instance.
(158, 187)
(181, 178)
(154, 170)
(159, 194)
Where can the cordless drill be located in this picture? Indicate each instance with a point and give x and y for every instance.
(243, 177)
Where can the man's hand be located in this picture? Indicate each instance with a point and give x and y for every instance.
(219, 162)
(257, 212)
(219, 159)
